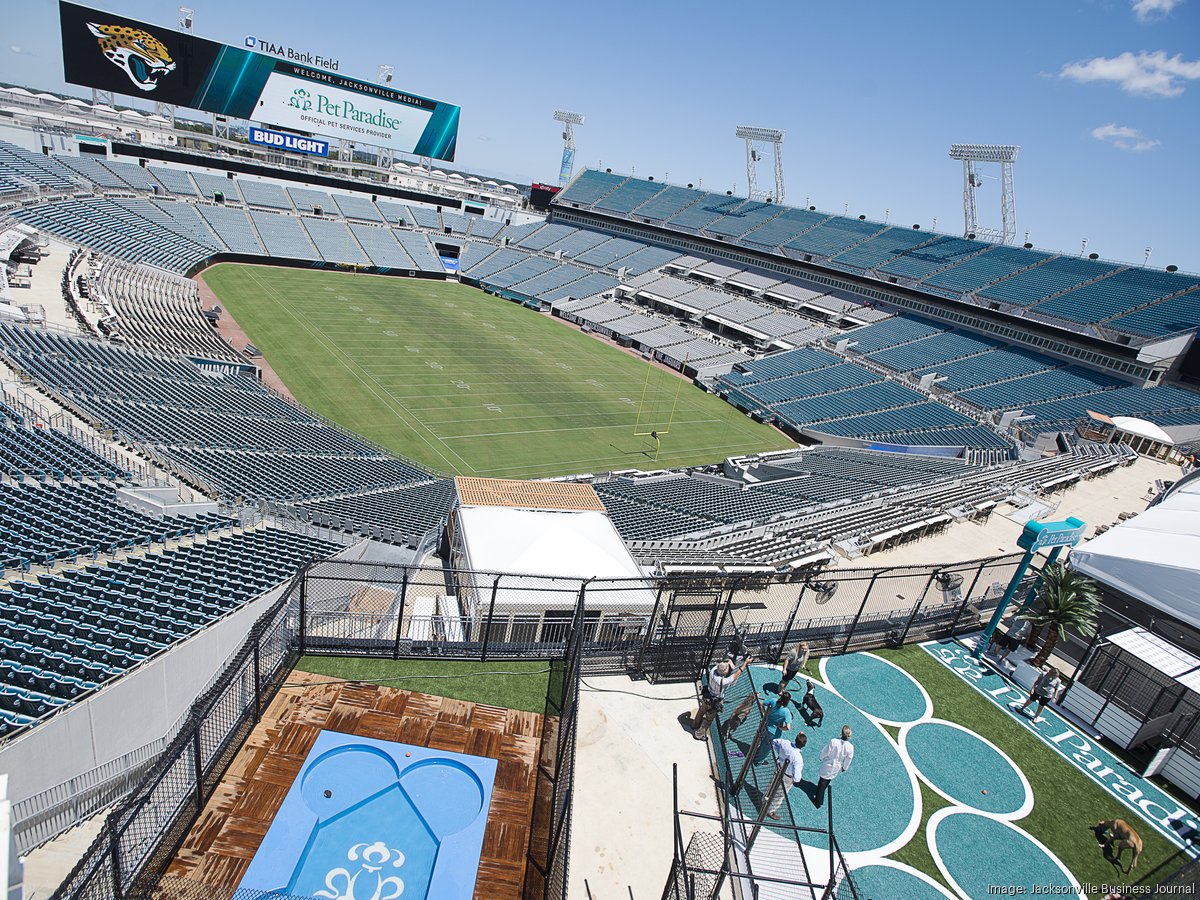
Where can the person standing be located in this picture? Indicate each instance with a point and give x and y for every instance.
(789, 764)
(1045, 690)
(835, 759)
(779, 717)
(796, 662)
(1018, 631)
(721, 678)
(779, 720)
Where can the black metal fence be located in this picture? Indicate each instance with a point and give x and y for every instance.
(703, 865)
(140, 837)
(131, 855)
(1166, 710)
(550, 831)
(665, 629)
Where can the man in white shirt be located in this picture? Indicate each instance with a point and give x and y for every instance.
(835, 759)
(790, 764)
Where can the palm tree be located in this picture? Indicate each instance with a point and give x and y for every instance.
(1066, 600)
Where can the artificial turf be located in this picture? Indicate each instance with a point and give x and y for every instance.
(1066, 804)
(512, 684)
(470, 384)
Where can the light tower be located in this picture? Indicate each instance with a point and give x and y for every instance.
(755, 139)
(569, 121)
(973, 156)
(167, 110)
(385, 157)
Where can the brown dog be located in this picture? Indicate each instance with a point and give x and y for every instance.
(1122, 836)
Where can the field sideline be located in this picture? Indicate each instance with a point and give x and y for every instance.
(470, 384)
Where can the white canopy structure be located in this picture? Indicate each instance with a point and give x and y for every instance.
(554, 538)
(575, 544)
(1155, 556)
(1142, 428)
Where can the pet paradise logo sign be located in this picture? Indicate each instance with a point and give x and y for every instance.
(326, 104)
(293, 142)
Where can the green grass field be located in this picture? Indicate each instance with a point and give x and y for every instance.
(470, 384)
(1065, 802)
(522, 686)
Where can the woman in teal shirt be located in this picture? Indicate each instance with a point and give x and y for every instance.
(779, 720)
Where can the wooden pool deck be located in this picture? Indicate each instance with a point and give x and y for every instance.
(219, 847)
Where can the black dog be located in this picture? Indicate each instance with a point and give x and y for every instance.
(816, 715)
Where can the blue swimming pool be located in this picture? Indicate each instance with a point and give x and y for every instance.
(373, 820)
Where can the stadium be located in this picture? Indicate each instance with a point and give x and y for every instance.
(375, 527)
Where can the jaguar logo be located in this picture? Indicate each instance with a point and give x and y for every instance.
(138, 54)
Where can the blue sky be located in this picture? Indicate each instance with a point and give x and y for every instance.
(1103, 97)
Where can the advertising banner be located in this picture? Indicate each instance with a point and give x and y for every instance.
(568, 164)
(293, 142)
(112, 53)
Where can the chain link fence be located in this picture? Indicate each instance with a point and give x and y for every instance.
(664, 629)
(140, 837)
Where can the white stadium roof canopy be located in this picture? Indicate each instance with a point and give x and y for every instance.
(1155, 556)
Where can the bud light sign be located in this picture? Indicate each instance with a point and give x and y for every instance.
(293, 142)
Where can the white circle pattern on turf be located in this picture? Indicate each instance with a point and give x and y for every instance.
(913, 825)
(877, 856)
(895, 723)
(931, 839)
(907, 870)
(1020, 813)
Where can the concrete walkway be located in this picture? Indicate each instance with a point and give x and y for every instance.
(49, 865)
(1097, 502)
(45, 287)
(622, 827)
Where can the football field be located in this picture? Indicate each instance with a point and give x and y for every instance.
(471, 384)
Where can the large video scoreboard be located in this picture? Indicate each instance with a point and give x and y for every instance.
(112, 53)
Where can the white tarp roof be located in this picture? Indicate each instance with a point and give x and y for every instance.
(1142, 428)
(572, 546)
(1164, 656)
(1153, 557)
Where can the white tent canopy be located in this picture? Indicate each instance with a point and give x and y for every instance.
(1142, 428)
(555, 551)
(1154, 557)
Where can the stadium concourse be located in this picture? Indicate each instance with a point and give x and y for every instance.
(164, 512)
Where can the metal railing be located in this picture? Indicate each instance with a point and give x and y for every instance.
(664, 629)
(660, 628)
(48, 814)
(139, 839)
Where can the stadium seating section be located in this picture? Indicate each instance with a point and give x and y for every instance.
(157, 311)
(1070, 288)
(70, 632)
(230, 433)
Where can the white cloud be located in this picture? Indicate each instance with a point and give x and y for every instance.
(1124, 138)
(1152, 74)
(1152, 10)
